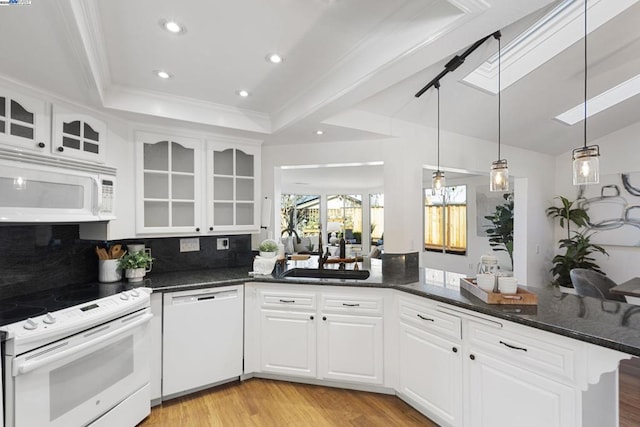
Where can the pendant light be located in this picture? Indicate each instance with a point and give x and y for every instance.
(499, 176)
(585, 159)
(437, 178)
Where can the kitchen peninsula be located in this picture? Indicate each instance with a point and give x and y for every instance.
(568, 345)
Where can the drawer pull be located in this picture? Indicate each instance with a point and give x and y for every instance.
(350, 305)
(425, 318)
(288, 301)
(513, 346)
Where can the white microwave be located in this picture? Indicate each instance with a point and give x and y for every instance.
(37, 188)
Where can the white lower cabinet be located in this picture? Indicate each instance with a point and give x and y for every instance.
(431, 374)
(340, 338)
(288, 342)
(351, 348)
(501, 394)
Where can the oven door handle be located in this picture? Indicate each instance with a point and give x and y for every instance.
(23, 367)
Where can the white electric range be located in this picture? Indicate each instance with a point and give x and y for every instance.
(80, 358)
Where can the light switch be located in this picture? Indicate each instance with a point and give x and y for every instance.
(190, 245)
(222, 244)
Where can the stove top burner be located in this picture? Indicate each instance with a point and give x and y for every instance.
(21, 307)
(10, 313)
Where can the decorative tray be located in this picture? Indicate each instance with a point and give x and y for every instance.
(522, 297)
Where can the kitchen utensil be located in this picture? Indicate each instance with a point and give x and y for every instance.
(102, 253)
(115, 251)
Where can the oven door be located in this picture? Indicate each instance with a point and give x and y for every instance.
(74, 381)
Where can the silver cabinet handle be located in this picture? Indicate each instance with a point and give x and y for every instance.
(350, 305)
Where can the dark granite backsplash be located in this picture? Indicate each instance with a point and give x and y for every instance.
(37, 257)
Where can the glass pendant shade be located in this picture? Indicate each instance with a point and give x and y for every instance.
(437, 182)
(499, 176)
(586, 165)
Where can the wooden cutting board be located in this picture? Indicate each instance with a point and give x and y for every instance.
(523, 297)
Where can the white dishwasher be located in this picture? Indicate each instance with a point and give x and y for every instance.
(202, 338)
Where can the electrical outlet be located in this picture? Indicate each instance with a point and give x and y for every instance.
(190, 245)
(222, 244)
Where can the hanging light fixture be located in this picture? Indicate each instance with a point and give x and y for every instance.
(499, 176)
(585, 159)
(437, 178)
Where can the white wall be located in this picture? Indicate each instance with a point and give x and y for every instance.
(619, 152)
(404, 158)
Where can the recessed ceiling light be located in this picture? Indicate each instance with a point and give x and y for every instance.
(243, 93)
(162, 74)
(172, 26)
(601, 102)
(319, 132)
(274, 58)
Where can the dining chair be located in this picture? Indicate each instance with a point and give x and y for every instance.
(593, 284)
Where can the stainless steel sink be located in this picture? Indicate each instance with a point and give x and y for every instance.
(326, 273)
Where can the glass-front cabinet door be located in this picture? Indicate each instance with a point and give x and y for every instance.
(23, 121)
(232, 187)
(168, 182)
(78, 136)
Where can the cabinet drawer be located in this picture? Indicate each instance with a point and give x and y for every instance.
(352, 304)
(288, 300)
(429, 319)
(528, 348)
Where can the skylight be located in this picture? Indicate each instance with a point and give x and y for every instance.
(598, 103)
(556, 31)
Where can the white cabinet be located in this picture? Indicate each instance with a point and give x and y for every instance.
(168, 177)
(288, 342)
(350, 338)
(192, 186)
(430, 359)
(78, 136)
(340, 338)
(23, 121)
(502, 394)
(202, 338)
(232, 187)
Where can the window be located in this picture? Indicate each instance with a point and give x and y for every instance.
(445, 220)
(299, 215)
(376, 218)
(346, 209)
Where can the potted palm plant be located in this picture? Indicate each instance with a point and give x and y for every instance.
(135, 265)
(500, 231)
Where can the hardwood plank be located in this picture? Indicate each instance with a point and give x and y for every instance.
(259, 402)
(629, 391)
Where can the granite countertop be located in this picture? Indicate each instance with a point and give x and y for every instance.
(609, 324)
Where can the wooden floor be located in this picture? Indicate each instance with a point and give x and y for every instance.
(630, 393)
(259, 402)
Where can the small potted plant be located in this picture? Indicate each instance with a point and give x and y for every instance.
(268, 249)
(135, 265)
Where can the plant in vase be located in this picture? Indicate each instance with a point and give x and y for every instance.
(268, 249)
(578, 247)
(500, 231)
(135, 265)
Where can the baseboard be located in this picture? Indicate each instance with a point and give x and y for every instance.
(325, 383)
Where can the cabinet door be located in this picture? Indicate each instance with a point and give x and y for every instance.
(168, 182)
(78, 136)
(503, 395)
(351, 348)
(288, 343)
(431, 374)
(232, 184)
(23, 121)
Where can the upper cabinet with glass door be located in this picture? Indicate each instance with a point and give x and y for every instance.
(233, 172)
(78, 136)
(23, 121)
(168, 182)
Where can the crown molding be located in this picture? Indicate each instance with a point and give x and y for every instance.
(471, 6)
(185, 109)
